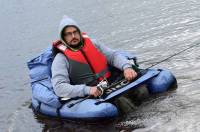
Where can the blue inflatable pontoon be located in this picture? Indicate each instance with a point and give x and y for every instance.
(45, 101)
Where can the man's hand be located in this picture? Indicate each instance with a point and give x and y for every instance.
(129, 74)
(95, 92)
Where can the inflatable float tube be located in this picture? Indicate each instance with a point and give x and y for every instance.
(45, 101)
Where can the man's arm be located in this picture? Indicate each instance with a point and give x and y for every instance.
(117, 60)
(114, 57)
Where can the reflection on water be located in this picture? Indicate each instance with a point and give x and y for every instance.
(63, 125)
(153, 30)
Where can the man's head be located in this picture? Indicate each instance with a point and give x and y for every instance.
(70, 33)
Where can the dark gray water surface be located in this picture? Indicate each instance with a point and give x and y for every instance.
(153, 29)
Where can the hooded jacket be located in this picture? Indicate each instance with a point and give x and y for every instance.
(87, 64)
(60, 67)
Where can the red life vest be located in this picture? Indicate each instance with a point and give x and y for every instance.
(86, 62)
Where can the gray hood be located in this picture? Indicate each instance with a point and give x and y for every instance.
(66, 21)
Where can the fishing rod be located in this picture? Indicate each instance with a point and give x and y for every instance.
(189, 47)
(139, 72)
(103, 86)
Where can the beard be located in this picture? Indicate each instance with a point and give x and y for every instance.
(77, 46)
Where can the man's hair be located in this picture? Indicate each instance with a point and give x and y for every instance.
(55, 51)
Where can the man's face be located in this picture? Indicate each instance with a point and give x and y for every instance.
(71, 36)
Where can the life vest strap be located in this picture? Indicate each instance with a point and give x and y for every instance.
(58, 111)
(101, 74)
(37, 109)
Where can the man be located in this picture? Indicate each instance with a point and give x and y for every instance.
(81, 63)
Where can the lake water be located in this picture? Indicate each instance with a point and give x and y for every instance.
(152, 29)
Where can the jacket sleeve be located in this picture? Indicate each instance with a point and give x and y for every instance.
(114, 57)
(61, 82)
